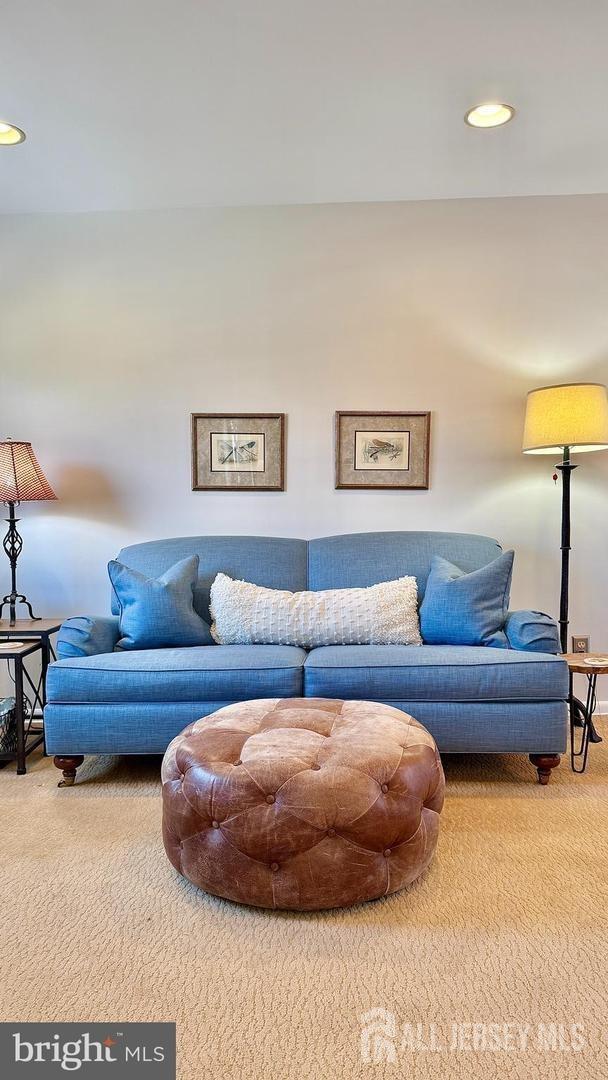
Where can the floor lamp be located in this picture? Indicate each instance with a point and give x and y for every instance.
(572, 418)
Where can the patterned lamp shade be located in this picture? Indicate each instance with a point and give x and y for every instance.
(21, 478)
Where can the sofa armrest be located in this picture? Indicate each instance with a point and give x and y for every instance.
(532, 631)
(86, 635)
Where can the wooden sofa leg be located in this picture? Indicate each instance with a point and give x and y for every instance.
(544, 764)
(68, 766)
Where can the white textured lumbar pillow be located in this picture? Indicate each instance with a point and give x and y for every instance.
(246, 614)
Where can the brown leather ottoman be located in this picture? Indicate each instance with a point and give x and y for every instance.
(302, 803)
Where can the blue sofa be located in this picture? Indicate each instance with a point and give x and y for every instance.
(480, 700)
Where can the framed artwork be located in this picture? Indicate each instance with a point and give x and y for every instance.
(382, 450)
(238, 451)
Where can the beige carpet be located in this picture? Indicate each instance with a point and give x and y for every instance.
(507, 927)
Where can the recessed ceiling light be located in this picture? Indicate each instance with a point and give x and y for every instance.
(489, 114)
(10, 135)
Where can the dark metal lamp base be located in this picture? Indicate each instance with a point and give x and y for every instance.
(12, 545)
(12, 601)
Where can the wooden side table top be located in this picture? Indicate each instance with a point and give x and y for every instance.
(576, 662)
(27, 628)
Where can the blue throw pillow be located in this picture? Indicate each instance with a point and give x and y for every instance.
(156, 613)
(467, 609)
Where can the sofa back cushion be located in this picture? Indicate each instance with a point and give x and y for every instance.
(276, 562)
(359, 559)
(354, 560)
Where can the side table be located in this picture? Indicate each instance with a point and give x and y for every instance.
(35, 634)
(17, 653)
(577, 665)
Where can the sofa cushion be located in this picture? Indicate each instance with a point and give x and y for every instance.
(155, 613)
(244, 613)
(467, 608)
(201, 674)
(434, 673)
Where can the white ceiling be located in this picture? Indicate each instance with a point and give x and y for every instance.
(159, 103)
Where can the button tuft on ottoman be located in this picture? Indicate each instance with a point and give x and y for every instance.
(358, 789)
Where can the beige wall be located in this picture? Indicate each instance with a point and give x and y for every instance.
(115, 327)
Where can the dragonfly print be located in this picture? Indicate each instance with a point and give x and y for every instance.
(238, 453)
(376, 450)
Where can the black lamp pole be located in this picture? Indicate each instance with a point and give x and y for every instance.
(566, 467)
(12, 545)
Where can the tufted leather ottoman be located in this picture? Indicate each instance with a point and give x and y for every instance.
(302, 803)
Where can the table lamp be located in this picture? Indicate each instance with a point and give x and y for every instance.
(21, 480)
(572, 418)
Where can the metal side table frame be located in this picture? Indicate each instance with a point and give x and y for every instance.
(25, 744)
(36, 636)
(581, 715)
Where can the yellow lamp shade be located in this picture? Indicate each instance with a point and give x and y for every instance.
(573, 415)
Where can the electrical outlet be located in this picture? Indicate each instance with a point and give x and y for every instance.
(580, 644)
